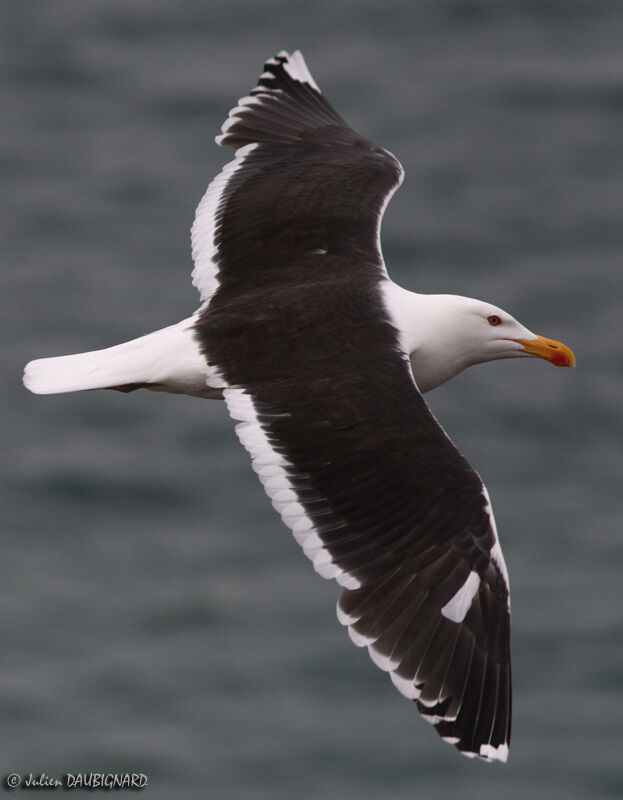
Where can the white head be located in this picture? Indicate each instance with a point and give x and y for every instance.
(450, 333)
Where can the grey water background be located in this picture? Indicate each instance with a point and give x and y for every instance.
(155, 615)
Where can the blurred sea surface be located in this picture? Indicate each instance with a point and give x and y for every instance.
(155, 614)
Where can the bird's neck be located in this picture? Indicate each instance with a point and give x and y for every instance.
(424, 324)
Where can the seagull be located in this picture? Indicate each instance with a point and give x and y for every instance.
(322, 361)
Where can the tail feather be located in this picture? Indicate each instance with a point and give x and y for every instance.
(167, 360)
(96, 370)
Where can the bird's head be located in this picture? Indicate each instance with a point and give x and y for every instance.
(494, 333)
(460, 332)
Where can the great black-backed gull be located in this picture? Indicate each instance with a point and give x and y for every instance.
(323, 361)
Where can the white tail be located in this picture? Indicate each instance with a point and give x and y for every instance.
(167, 360)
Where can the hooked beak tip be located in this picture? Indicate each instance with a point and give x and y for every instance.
(555, 352)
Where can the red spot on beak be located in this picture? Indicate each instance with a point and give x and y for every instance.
(560, 360)
(555, 352)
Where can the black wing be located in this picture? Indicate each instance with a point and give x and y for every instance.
(304, 196)
(375, 492)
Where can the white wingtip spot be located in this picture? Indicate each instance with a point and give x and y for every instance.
(499, 753)
(458, 606)
(297, 69)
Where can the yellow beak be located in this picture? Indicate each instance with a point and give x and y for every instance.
(559, 354)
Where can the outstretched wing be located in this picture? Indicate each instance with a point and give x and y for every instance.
(288, 263)
(375, 492)
(304, 195)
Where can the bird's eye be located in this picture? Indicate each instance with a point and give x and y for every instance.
(494, 320)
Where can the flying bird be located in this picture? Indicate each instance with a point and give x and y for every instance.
(323, 360)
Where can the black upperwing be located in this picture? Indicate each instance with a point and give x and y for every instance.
(376, 494)
(304, 196)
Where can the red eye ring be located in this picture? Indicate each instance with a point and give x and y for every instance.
(494, 320)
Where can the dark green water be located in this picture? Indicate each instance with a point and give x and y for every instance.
(155, 615)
